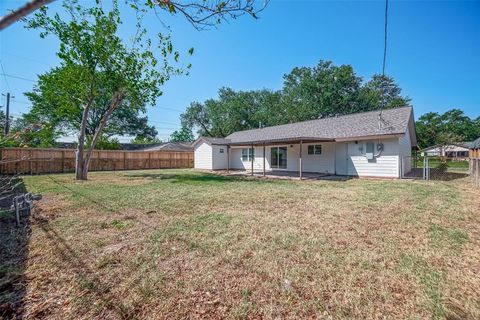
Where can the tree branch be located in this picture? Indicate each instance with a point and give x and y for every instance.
(204, 14)
(21, 12)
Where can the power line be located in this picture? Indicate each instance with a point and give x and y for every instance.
(21, 102)
(22, 57)
(4, 76)
(385, 38)
(16, 77)
(168, 129)
(170, 109)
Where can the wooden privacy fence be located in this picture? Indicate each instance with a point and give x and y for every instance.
(35, 161)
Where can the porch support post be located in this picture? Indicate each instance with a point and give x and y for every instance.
(300, 159)
(228, 159)
(264, 156)
(251, 160)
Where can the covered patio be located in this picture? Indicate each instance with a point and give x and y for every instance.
(277, 173)
(283, 175)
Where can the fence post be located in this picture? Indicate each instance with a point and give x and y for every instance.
(428, 169)
(424, 171)
(30, 162)
(63, 161)
(476, 173)
(170, 160)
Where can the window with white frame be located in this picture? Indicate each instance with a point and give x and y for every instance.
(315, 149)
(248, 154)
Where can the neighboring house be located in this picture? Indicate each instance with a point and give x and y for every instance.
(453, 151)
(369, 144)
(171, 146)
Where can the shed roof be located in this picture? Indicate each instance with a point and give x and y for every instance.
(358, 125)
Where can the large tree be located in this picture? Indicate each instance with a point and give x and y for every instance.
(61, 117)
(100, 77)
(308, 93)
(100, 73)
(381, 92)
(322, 91)
(183, 135)
(453, 126)
(232, 111)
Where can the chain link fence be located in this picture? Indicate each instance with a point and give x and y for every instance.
(434, 168)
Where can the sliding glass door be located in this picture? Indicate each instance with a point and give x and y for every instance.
(278, 158)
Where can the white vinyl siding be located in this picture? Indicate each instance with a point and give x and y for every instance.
(344, 158)
(321, 163)
(203, 156)
(236, 160)
(219, 158)
(318, 163)
(405, 152)
(341, 158)
(386, 165)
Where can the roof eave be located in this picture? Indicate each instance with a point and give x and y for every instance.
(280, 141)
(369, 137)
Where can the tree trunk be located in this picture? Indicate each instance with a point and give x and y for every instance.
(79, 160)
(117, 98)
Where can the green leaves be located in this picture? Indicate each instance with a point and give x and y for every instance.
(183, 135)
(96, 66)
(308, 93)
(450, 127)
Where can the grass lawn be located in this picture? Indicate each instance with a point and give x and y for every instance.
(179, 244)
(452, 166)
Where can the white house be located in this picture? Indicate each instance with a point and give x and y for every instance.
(369, 144)
(453, 151)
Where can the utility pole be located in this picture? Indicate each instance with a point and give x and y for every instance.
(7, 115)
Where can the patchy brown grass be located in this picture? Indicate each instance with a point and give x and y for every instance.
(179, 244)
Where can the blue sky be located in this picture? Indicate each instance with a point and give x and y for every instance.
(433, 52)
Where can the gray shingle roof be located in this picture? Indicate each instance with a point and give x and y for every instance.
(171, 146)
(475, 144)
(214, 140)
(393, 121)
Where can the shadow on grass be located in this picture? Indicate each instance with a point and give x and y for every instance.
(13, 253)
(437, 174)
(93, 285)
(193, 178)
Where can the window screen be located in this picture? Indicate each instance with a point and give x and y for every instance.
(315, 149)
(248, 154)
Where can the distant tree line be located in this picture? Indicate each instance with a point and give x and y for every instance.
(452, 126)
(307, 93)
(317, 92)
